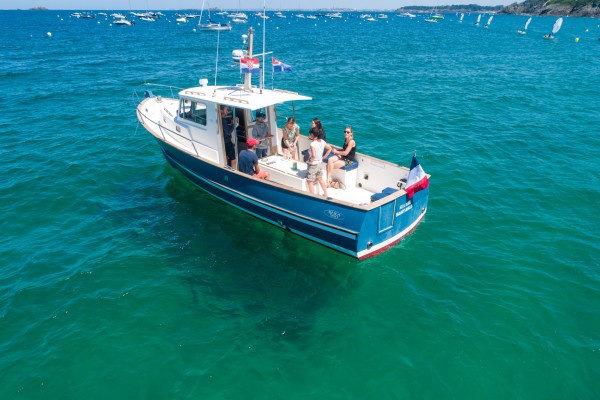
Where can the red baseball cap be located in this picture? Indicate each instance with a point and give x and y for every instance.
(251, 142)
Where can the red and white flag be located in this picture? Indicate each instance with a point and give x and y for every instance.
(417, 178)
(250, 65)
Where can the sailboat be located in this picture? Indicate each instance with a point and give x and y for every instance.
(524, 30)
(211, 26)
(489, 21)
(478, 19)
(462, 15)
(555, 29)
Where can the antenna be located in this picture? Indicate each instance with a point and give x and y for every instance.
(217, 59)
(262, 73)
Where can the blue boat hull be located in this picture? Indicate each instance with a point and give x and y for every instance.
(360, 232)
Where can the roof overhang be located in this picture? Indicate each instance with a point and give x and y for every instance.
(236, 96)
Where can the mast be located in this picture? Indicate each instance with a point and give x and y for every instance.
(248, 76)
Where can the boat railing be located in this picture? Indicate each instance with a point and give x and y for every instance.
(148, 93)
(170, 132)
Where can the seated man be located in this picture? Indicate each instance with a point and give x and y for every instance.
(248, 161)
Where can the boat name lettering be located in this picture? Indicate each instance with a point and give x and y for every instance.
(403, 208)
(334, 214)
(168, 112)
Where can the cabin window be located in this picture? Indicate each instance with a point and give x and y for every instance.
(194, 111)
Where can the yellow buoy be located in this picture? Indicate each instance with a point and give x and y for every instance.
(576, 40)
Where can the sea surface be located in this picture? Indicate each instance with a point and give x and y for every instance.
(119, 279)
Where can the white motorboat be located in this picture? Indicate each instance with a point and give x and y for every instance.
(376, 204)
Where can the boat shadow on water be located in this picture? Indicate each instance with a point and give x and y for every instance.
(261, 275)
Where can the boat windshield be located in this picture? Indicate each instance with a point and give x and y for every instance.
(194, 111)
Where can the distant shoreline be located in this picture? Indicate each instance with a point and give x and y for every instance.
(512, 9)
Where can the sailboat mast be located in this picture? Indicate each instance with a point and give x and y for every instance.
(201, 12)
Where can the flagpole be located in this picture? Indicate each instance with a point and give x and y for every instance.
(263, 43)
(248, 75)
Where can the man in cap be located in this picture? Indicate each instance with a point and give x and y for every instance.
(260, 132)
(248, 161)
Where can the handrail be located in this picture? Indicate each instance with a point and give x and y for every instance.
(162, 128)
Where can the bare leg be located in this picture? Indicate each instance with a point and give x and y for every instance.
(311, 186)
(323, 186)
(333, 163)
(330, 168)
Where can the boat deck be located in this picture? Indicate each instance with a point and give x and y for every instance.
(292, 173)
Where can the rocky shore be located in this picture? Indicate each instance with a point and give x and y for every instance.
(552, 9)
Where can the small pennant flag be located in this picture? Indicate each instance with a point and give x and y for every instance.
(250, 66)
(278, 66)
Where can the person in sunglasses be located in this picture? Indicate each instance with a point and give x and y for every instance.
(342, 157)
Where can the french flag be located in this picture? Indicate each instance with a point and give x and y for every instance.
(278, 66)
(250, 66)
(417, 178)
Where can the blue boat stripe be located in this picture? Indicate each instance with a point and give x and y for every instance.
(332, 228)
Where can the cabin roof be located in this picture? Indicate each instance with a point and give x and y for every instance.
(236, 96)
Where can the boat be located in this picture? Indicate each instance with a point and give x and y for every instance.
(524, 30)
(215, 26)
(407, 14)
(382, 201)
(123, 22)
(489, 21)
(212, 25)
(478, 20)
(430, 20)
(437, 16)
(462, 16)
(83, 15)
(240, 15)
(555, 29)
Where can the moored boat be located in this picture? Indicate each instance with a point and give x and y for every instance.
(377, 202)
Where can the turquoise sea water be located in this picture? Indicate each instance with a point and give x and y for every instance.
(119, 279)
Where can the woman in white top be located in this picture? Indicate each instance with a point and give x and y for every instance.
(289, 141)
(314, 171)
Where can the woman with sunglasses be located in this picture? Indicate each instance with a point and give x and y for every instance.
(342, 157)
